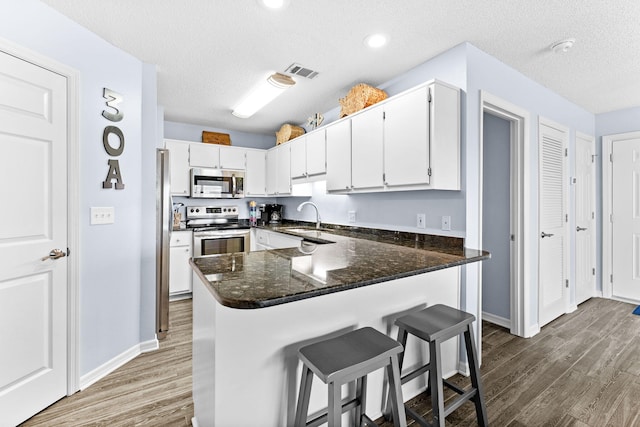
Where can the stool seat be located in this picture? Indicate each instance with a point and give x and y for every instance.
(436, 324)
(343, 359)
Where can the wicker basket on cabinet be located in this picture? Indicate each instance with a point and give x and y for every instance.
(287, 132)
(360, 97)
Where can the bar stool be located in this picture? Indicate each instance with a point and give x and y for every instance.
(346, 358)
(435, 325)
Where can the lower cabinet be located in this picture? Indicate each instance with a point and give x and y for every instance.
(263, 240)
(180, 275)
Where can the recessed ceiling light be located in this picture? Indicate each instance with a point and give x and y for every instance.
(562, 46)
(274, 4)
(375, 41)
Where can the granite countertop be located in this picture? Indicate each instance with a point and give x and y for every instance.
(332, 259)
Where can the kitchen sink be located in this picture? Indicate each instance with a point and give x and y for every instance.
(311, 234)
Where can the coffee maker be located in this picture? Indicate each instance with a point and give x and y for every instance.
(273, 213)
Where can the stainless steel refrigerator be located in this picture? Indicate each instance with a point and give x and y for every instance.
(164, 225)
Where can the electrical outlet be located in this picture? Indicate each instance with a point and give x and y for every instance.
(352, 216)
(420, 220)
(446, 222)
(105, 215)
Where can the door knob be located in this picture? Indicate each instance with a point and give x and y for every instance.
(581, 228)
(54, 254)
(543, 234)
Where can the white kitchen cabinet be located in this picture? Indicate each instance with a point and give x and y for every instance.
(406, 139)
(408, 142)
(216, 156)
(204, 155)
(339, 156)
(180, 274)
(178, 166)
(279, 170)
(308, 156)
(266, 239)
(232, 157)
(256, 173)
(367, 148)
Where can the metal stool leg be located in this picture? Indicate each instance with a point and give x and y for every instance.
(476, 380)
(437, 389)
(303, 396)
(395, 392)
(334, 416)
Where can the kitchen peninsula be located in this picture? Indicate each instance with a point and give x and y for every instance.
(252, 311)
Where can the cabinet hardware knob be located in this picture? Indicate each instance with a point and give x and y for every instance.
(543, 234)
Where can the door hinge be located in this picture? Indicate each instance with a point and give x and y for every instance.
(611, 218)
(611, 279)
(593, 215)
(429, 96)
(566, 283)
(566, 217)
(566, 152)
(611, 157)
(384, 115)
(593, 158)
(429, 172)
(593, 271)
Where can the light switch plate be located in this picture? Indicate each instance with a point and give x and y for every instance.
(420, 220)
(352, 216)
(102, 215)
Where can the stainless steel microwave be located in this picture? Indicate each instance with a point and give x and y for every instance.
(217, 183)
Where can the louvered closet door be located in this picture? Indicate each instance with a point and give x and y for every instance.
(552, 295)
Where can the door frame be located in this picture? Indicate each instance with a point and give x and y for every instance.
(73, 199)
(607, 208)
(520, 169)
(592, 141)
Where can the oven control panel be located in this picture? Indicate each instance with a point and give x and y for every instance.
(213, 212)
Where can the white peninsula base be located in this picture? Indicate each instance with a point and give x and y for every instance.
(245, 365)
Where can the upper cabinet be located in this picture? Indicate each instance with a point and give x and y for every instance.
(256, 173)
(217, 156)
(178, 166)
(308, 156)
(408, 142)
(279, 170)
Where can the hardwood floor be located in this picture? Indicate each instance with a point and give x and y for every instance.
(154, 389)
(582, 369)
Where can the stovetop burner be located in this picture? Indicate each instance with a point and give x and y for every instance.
(202, 218)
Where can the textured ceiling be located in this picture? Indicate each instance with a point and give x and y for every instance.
(209, 53)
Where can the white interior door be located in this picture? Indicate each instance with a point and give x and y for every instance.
(626, 219)
(33, 292)
(552, 217)
(585, 209)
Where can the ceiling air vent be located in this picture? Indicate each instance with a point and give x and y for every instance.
(299, 70)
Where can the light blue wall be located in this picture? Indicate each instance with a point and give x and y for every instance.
(110, 267)
(487, 73)
(191, 132)
(496, 216)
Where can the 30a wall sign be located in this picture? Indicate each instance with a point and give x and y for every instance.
(113, 101)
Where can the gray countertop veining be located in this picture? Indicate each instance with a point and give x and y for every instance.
(330, 260)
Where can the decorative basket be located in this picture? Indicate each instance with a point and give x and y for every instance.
(360, 97)
(287, 132)
(216, 138)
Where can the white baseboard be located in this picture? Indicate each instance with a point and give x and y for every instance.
(531, 331)
(113, 364)
(496, 320)
(194, 422)
(463, 368)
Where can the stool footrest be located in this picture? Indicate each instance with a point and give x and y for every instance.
(347, 405)
(453, 387)
(415, 374)
(368, 421)
(459, 401)
(417, 417)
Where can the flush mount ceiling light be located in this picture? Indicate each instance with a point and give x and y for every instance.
(562, 46)
(375, 41)
(263, 94)
(273, 4)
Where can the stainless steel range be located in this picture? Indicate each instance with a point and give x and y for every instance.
(217, 230)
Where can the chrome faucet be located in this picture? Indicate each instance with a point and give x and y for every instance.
(317, 212)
